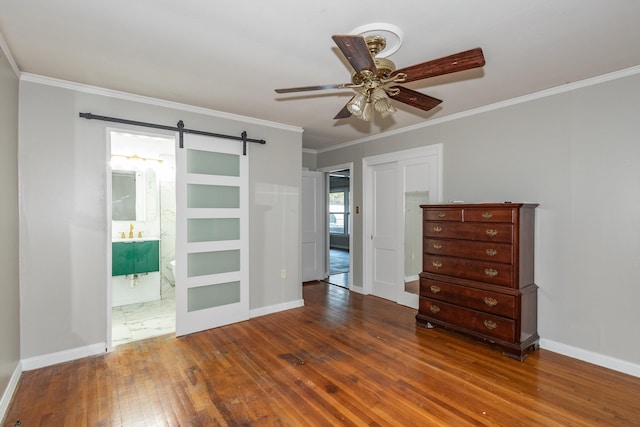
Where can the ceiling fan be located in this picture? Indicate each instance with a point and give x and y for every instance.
(378, 77)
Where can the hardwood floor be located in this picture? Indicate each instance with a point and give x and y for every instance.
(342, 359)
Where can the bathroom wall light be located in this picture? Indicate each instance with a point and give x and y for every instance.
(136, 157)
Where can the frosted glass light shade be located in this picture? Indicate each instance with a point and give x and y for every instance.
(367, 113)
(357, 104)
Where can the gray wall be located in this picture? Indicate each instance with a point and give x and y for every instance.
(9, 284)
(63, 227)
(309, 160)
(575, 153)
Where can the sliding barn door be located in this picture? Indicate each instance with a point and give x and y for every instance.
(212, 242)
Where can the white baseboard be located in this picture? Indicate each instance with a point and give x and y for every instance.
(263, 311)
(10, 390)
(357, 288)
(62, 356)
(408, 299)
(100, 348)
(595, 358)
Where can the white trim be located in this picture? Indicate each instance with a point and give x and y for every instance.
(63, 356)
(95, 90)
(109, 214)
(263, 311)
(408, 299)
(10, 390)
(495, 106)
(412, 153)
(357, 288)
(598, 359)
(5, 48)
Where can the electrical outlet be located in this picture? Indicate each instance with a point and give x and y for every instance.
(283, 273)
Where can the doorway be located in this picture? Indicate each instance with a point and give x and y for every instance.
(339, 187)
(339, 196)
(142, 239)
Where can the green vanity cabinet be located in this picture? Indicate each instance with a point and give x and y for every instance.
(135, 257)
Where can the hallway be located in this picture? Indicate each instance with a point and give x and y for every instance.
(338, 267)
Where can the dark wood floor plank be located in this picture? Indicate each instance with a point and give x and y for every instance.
(342, 359)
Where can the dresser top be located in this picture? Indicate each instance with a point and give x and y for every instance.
(480, 205)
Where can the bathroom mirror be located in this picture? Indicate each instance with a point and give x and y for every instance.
(127, 195)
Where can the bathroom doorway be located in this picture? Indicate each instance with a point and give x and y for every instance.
(142, 231)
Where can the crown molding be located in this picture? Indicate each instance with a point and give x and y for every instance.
(496, 106)
(95, 90)
(7, 53)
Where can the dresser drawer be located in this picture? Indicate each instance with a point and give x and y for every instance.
(484, 251)
(489, 215)
(486, 324)
(444, 214)
(487, 272)
(502, 233)
(478, 299)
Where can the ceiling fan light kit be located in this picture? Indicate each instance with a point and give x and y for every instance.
(377, 77)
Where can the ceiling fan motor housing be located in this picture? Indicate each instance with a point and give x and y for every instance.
(384, 66)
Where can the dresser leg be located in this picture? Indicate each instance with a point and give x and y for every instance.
(518, 354)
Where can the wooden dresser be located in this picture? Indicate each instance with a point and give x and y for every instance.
(477, 275)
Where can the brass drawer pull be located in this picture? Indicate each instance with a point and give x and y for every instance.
(441, 214)
(434, 308)
(490, 272)
(489, 324)
(487, 215)
(437, 229)
(437, 246)
(436, 264)
(492, 233)
(491, 252)
(491, 302)
(435, 289)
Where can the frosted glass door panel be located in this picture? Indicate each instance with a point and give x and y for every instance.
(205, 297)
(213, 229)
(205, 263)
(212, 196)
(210, 163)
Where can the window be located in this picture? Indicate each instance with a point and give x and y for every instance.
(339, 211)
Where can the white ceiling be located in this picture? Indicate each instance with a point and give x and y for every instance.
(231, 55)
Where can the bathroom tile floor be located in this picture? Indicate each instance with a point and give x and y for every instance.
(135, 322)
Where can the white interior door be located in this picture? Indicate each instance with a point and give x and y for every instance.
(312, 226)
(384, 232)
(212, 256)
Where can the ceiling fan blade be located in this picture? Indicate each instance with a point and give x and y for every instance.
(344, 113)
(356, 51)
(415, 99)
(461, 61)
(308, 88)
